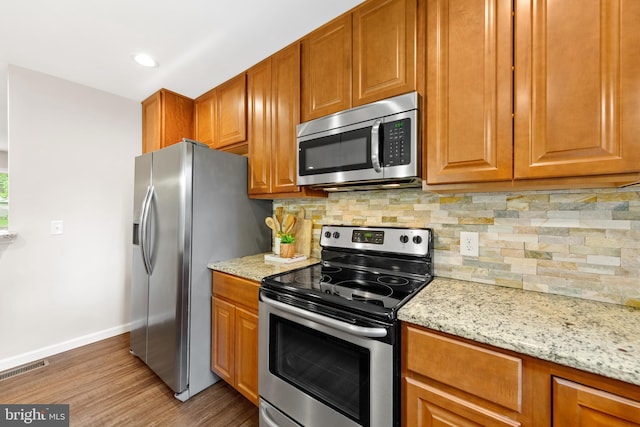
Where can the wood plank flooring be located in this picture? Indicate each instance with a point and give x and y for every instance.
(104, 385)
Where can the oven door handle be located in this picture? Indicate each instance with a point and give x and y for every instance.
(361, 331)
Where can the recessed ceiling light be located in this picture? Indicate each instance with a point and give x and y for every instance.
(145, 60)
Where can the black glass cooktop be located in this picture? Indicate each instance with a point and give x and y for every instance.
(374, 293)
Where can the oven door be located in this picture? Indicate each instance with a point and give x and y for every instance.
(319, 371)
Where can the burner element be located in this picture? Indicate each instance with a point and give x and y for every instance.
(392, 280)
(361, 288)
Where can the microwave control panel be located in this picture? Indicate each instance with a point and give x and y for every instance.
(397, 143)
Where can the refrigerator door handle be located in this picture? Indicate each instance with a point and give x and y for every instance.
(144, 230)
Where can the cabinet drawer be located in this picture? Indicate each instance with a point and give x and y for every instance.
(236, 289)
(486, 374)
(434, 407)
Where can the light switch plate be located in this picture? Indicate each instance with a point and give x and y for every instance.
(56, 227)
(468, 243)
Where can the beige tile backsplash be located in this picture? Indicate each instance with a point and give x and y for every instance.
(582, 243)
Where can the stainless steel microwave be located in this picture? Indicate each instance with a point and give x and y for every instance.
(376, 145)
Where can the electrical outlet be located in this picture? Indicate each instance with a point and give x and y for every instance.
(468, 243)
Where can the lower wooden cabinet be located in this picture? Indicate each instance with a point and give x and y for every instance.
(578, 405)
(431, 406)
(234, 330)
(450, 381)
(453, 383)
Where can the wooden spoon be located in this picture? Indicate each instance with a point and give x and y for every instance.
(289, 223)
(271, 223)
(279, 215)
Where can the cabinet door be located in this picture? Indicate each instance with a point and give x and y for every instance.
(259, 100)
(468, 107)
(223, 339)
(231, 112)
(205, 118)
(578, 405)
(285, 107)
(152, 123)
(247, 354)
(167, 117)
(384, 49)
(427, 406)
(577, 87)
(326, 69)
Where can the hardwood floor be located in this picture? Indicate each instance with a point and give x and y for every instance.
(104, 385)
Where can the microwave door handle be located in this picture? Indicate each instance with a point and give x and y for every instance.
(375, 146)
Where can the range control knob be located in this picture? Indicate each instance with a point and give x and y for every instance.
(417, 240)
(336, 235)
(327, 234)
(404, 238)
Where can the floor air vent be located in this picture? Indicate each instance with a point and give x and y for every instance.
(23, 369)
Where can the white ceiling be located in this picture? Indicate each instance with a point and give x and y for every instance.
(198, 43)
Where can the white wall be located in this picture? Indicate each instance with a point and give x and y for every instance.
(71, 159)
(4, 161)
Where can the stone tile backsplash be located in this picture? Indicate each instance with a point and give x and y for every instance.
(582, 243)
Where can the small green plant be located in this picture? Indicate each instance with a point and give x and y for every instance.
(287, 238)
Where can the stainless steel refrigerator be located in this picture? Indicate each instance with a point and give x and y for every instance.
(190, 208)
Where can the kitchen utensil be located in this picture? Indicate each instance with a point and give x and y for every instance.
(278, 224)
(271, 223)
(289, 222)
(304, 231)
(280, 216)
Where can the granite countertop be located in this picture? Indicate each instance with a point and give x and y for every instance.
(595, 337)
(254, 267)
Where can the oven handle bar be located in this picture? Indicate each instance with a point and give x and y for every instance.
(266, 417)
(327, 321)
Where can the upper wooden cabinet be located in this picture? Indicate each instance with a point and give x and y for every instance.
(231, 111)
(259, 103)
(274, 111)
(577, 88)
(360, 57)
(205, 115)
(575, 71)
(326, 69)
(384, 49)
(468, 107)
(221, 116)
(167, 117)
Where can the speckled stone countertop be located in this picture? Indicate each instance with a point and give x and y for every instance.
(595, 337)
(254, 267)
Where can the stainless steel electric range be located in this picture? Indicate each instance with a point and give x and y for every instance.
(329, 336)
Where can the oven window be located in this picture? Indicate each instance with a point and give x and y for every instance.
(347, 151)
(331, 370)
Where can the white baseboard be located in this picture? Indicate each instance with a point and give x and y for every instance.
(41, 353)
